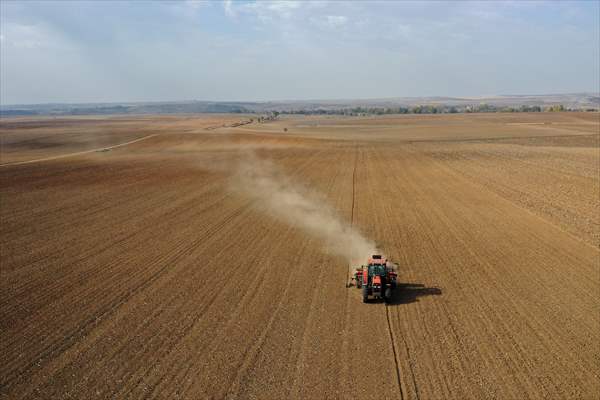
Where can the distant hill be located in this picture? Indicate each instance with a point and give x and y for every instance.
(185, 107)
(575, 101)
(572, 100)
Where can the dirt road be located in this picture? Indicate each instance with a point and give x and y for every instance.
(140, 273)
(79, 153)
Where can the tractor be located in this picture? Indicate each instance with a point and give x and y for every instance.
(376, 279)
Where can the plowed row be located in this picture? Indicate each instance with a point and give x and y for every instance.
(139, 273)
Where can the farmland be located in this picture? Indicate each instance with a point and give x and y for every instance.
(132, 266)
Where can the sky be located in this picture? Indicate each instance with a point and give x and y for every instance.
(119, 51)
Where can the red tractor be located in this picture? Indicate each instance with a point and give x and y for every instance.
(376, 279)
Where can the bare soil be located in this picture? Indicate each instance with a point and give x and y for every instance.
(138, 273)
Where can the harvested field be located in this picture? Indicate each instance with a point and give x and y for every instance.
(144, 272)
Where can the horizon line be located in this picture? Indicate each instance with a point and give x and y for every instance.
(478, 97)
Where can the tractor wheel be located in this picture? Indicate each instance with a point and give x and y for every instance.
(365, 294)
(388, 295)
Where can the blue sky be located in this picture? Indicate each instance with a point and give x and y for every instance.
(226, 50)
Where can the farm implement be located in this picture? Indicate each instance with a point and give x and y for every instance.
(377, 279)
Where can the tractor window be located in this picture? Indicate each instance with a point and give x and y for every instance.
(376, 270)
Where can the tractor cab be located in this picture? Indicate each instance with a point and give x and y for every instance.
(377, 259)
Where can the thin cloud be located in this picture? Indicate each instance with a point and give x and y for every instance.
(196, 4)
(265, 10)
(229, 9)
(26, 36)
(336, 21)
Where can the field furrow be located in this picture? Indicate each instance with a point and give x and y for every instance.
(213, 263)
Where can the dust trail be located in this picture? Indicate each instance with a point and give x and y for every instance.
(293, 203)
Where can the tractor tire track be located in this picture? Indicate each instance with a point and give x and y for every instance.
(395, 352)
(387, 314)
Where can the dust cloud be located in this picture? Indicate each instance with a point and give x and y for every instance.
(293, 203)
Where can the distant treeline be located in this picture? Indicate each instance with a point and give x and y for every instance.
(431, 109)
(110, 109)
(270, 109)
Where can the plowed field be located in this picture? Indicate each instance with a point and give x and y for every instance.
(140, 271)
